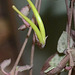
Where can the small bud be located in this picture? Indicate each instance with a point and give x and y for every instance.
(25, 10)
(22, 27)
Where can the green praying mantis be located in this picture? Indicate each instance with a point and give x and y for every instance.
(39, 32)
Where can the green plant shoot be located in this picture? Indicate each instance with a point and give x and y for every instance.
(31, 24)
(40, 33)
(38, 18)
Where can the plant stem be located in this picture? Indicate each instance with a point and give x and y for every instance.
(67, 8)
(74, 15)
(69, 13)
(33, 45)
(21, 52)
(70, 72)
(32, 53)
(39, 5)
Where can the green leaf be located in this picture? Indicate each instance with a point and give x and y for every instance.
(54, 62)
(62, 42)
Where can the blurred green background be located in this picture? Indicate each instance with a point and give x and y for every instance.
(53, 13)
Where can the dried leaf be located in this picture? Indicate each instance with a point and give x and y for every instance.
(54, 62)
(46, 65)
(23, 68)
(62, 42)
(5, 63)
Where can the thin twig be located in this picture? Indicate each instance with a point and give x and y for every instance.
(70, 72)
(32, 53)
(39, 5)
(33, 45)
(36, 3)
(74, 14)
(21, 52)
(67, 8)
(69, 13)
